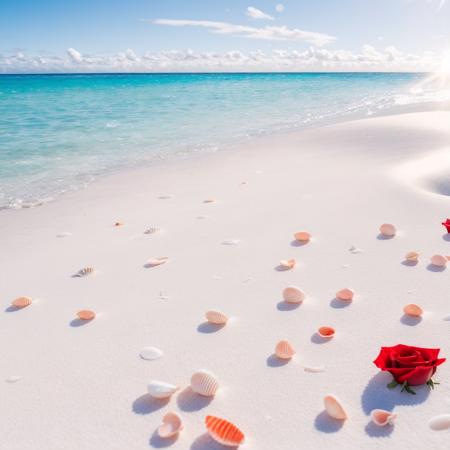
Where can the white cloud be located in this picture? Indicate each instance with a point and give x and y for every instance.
(255, 13)
(74, 55)
(273, 33)
(280, 7)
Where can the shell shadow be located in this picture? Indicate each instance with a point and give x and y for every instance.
(410, 321)
(274, 361)
(446, 237)
(158, 442)
(79, 323)
(408, 263)
(285, 306)
(189, 401)
(280, 268)
(208, 328)
(206, 442)
(316, 338)
(375, 431)
(339, 304)
(383, 237)
(296, 243)
(12, 308)
(323, 422)
(377, 395)
(434, 268)
(146, 404)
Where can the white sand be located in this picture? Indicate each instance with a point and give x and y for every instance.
(84, 387)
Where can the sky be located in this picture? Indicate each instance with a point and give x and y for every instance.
(218, 35)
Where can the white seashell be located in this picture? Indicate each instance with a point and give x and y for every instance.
(64, 234)
(14, 378)
(412, 256)
(381, 417)
(334, 408)
(440, 423)
(387, 229)
(151, 353)
(231, 242)
(293, 294)
(314, 369)
(284, 350)
(157, 261)
(355, 250)
(439, 260)
(288, 263)
(216, 317)
(160, 389)
(345, 294)
(152, 230)
(170, 426)
(85, 271)
(204, 383)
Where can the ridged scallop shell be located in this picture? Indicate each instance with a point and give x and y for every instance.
(152, 230)
(293, 294)
(216, 317)
(288, 263)
(412, 256)
(381, 417)
(387, 229)
(345, 294)
(334, 408)
(284, 350)
(413, 310)
(440, 423)
(22, 302)
(223, 431)
(302, 236)
(85, 271)
(157, 261)
(160, 389)
(151, 353)
(326, 332)
(86, 314)
(204, 383)
(170, 426)
(439, 260)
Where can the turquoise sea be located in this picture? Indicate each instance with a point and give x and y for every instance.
(59, 132)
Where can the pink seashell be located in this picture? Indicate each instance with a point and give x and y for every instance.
(439, 260)
(204, 383)
(86, 314)
(413, 310)
(292, 294)
(216, 317)
(157, 261)
(284, 350)
(334, 408)
(387, 229)
(224, 432)
(412, 256)
(381, 417)
(302, 236)
(170, 426)
(288, 263)
(326, 332)
(22, 302)
(345, 294)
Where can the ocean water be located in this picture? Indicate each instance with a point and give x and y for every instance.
(60, 132)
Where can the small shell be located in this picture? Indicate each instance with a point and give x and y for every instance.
(231, 242)
(210, 200)
(292, 294)
(21, 302)
(412, 256)
(216, 317)
(85, 314)
(118, 224)
(152, 230)
(439, 260)
(355, 250)
(204, 383)
(345, 294)
(413, 310)
(381, 417)
(440, 423)
(314, 369)
(157, 261)
(85, 271)
(326, 332)
(224, 432)
(160, 389)
(387, 229)
(284, 350)
(170, 426)
(288, 263)
(302, 236)
(151, 353)
(334, 408)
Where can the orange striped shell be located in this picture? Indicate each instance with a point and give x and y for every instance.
(326, 332)
(224, 432)
(85, 314)
(302, 236)
(21, 302)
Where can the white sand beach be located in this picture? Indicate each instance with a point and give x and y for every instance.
(83, 386)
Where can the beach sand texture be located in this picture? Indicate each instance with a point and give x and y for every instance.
(82, 385)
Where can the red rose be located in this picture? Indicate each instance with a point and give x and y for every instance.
(413, 365)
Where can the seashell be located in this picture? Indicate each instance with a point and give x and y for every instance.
(85, 271)
(160, 389)
(440, 423)
(284, 350)
(292, 294)
(412, 256)
(22, 302)
(216, 317)
(170, 426)
(118, 224)
(204, 383)
(387, 229)
(302, 236)
(355, 250)
(413, 310)
(152, 230)
(439, 260)
(345, 294)
(85, 314)
(224, 432)
(334, 408)
(210, 200)
(157, 261)
(151, 353)
(288, 263)
(231, 242)
(381, 417)
(314, 369)
(64, 234)
(326, 332)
